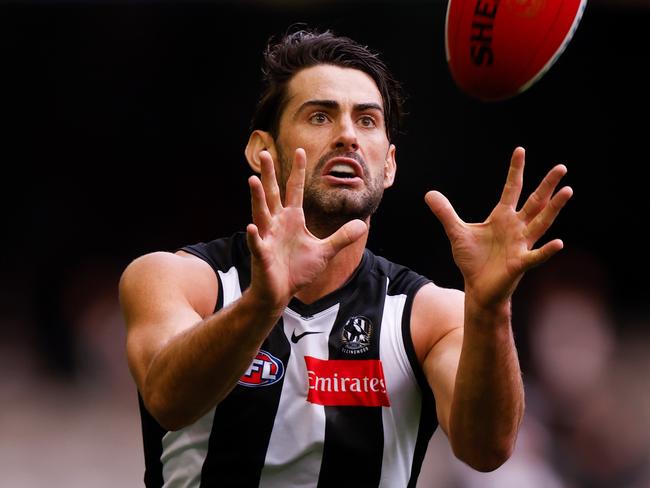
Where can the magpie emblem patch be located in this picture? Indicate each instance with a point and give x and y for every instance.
(356, 334)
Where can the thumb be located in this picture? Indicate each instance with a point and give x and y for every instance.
(443, 210)
(345, 236)
(254, 240)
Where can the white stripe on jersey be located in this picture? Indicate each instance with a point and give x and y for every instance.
(183, 453)
(184, 450)
(401, 419)
(230, 286)
(295, 449)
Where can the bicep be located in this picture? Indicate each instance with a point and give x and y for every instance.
(437, 330)
(440, 368)
(161, 296)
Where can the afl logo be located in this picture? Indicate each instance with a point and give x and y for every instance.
(356, 335)
(265, 370)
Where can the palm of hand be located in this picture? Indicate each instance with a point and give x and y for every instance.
(294, 257)
(285, 256)
(491, 255)
(494, 255)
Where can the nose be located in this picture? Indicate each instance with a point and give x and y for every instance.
(346, 137)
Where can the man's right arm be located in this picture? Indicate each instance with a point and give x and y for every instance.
(184, 358)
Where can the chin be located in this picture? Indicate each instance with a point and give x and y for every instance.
(342, 207)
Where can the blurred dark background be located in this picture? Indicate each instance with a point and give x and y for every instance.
(124, 125)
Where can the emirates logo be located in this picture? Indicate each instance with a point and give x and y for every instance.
(346, 382)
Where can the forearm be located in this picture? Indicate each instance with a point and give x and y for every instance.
(195, 370)
(488, 401)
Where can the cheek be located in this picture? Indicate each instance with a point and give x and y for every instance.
(314, 147)
(378, 159)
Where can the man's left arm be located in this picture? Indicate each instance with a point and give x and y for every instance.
(471, 362)
(473, 370)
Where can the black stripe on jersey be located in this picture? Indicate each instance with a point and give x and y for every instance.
(242, 427)
(354, 436)
(428, 417)
(152, 434)
(222, 255)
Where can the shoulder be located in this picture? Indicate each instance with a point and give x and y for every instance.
(166, 266)
(169, 276)
(401, 279)
(436, 312)
(223, 253)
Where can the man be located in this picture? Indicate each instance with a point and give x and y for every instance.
(291, 355)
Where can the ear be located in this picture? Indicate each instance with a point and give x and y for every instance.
(390, 167)
(258, 141)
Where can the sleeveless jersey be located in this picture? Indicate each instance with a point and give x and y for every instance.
(335, 396)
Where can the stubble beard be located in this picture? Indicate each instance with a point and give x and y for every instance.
(328, 208)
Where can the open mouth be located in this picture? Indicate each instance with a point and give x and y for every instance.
(343, 169)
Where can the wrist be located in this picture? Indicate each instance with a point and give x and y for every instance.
(493, 313)
(262, 305)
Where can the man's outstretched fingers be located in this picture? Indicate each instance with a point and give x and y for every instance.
(541, 223)
(540, 197)
(296, 181)
(515, 179)
(538, 256)
(346, 235)
(270, 183)
(443, 210)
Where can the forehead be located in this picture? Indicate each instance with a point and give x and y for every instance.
(327, 82)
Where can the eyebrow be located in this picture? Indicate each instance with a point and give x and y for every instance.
(333, 104)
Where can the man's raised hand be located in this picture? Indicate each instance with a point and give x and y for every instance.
(494, 255)
(285, 255)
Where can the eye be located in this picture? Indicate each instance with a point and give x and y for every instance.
(367, 121)
(318, 118)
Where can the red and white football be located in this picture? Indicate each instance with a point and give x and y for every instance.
(497, 49)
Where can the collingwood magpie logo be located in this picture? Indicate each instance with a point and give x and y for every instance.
(356, 335)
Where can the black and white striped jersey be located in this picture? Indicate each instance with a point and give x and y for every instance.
(335, 397)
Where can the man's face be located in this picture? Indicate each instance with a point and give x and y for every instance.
(336, 115)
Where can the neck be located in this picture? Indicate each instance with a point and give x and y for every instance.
(337, 273)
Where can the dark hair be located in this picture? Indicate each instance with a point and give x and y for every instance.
(305, 48)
